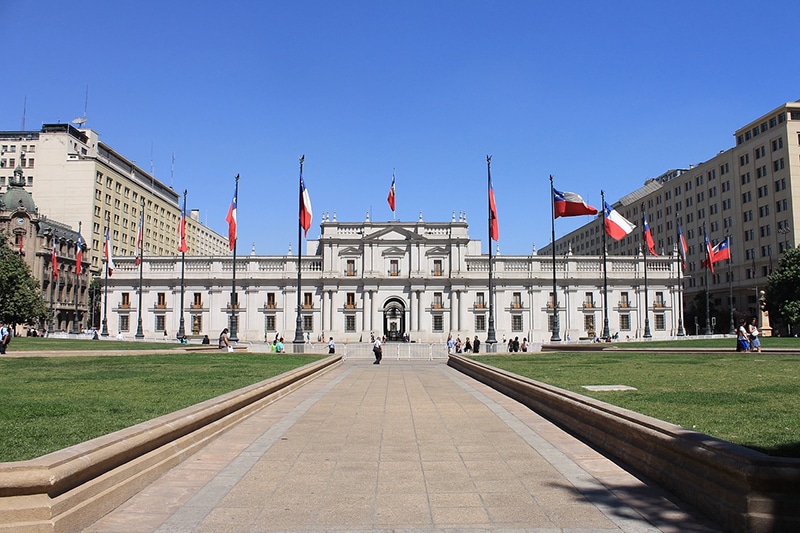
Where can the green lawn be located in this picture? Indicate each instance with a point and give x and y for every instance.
(49, 403)
(40, 344)
(748, 399)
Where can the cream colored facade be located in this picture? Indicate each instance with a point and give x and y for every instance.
(747, 192)
(423, 280)
(74, 177)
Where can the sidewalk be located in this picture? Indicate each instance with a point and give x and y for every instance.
(405, 445)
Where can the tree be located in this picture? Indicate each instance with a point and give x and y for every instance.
(21, 299)
(783, 290)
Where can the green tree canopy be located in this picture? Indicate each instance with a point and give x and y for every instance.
(21, 300)
(783, 289)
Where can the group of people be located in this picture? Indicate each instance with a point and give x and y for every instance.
(456, 346)
(747, 337)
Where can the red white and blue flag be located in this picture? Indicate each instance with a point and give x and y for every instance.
(682, 248)
(109, 257)
(54, 258)
(79, 255)
(494, 229)
(182, 246)
(569, 204)
(722, 250)
(139, 237)
(231, 219)
(617, 226)
(709, 261)
(305, 207)
(391, 197)
(648, 236)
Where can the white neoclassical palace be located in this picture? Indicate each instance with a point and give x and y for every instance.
(415, 280)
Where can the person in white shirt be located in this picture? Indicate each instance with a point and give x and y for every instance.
(378, 351)
(755, 342)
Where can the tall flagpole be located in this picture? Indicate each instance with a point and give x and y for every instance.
(75, 328)
(491, 337)
(706, 244)
(181, 241)
(730, 286)
(234, 300)
(645, 229)
(606, 330)
(298, 329)
(555, 335)
(104, 331)
(140, 236)
(681, 331)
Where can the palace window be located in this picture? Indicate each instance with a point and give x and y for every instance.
(394, 267)
(270, 300)
(269, 323)
(351, 267)
(307, 301)
(351, 300)
(479, 301)
(437, 300)
(437, 267)
(162, 301)
(516, 300)
(480, 323)
(126, 300)
(625, 322)
(516, 322)
(350, 323)
(438, 323)
(124, 322)
(308, 323)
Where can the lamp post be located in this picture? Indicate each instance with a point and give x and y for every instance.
(140, 237)
(182, 247)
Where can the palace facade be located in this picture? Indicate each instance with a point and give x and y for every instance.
(418, 281)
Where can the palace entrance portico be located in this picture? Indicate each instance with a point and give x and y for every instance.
(394, 319)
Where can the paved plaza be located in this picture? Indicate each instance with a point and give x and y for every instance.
(401, 446)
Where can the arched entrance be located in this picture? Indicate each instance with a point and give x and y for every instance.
(394, 320)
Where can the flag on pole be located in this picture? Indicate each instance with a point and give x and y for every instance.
(54, 257)
(231, 219)
(682, 248)
(109, 257)
(305, 207)
(391, 198)
(719, 253)
(494, 232)
(648, 236)
(617, 226)
(569, 204)
(709, 263)
(79, 255)
(139, 237)
(182, 247)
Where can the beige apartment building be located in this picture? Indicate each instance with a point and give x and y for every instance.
(747, 192)
(76, 178)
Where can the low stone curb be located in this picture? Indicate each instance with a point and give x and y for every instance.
(741, 489)
(71, 488)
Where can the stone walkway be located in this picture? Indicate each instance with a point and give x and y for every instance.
(411, 446)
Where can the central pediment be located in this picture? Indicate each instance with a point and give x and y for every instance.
(394, 234)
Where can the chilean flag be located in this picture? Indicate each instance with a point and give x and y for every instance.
(109, 258)
(182, 247)
(682, 248)
(79, 255)
(722, 251)
(55, 259)
(390, 198)
(569, 204)
(494, 231)
(617, 226)
(231, 219)
(709, 262)
(648, 236)
(305, 207)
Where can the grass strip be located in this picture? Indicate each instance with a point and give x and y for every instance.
(50, 403)
(748, 399)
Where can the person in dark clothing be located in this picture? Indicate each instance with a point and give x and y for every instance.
(476, 345)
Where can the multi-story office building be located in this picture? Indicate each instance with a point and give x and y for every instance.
(75, 178)
(746, 193)
(415, 280)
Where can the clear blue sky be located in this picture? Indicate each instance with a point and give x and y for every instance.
(599, 94)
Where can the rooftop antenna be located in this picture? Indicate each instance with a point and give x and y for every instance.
(80, 121)
(24, 111)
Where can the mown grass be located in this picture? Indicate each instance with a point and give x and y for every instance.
(748, 399)
(42, 344)
(50, 403)
(728, 343)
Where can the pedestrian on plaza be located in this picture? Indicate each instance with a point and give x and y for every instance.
(223, 343)
(378, 351)
(467, 346)
(515, 344)
(279, 348)
(451, 344)
(458, 344)
(5, 337)
(205, 340)
(331, 346)
(524, 344)
(742, 343)
(476, 345)
(755, 343)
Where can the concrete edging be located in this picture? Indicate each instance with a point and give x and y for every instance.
(741, 489)
(71, 488)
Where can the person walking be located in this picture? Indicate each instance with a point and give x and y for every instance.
(5, 337)
(378, 351)
(331, 346)
(742, 342)
(224, 343)
(755, 343)
(476, 345)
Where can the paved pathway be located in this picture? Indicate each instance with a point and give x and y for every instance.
(411, 446)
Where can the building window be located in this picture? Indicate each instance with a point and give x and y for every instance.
(197, 323)
(307, 301)
(161, 322)
(437, 267)
(350, 323)
(126, 300)
(269, 323)
(437, 300)
(270, 300)
(351, 267)
(516, 323)
(659, 299)
(588, 299)
(394, 267)
(351, 300)
(516, 300)
(588, 323)
(308, 323)
(162, 301)
(624, 300)
(438, 323)
(661, 321)
(479, 301)
(480, 323)
(625, 322)
(124, 323)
